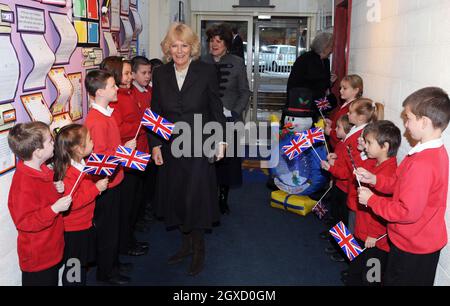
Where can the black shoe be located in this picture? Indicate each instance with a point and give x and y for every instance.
(337, 257)
(330, 250)
(324, 235)
(344, 273)
(117, 280)
(125, 268)
(137, 251)
(143, 244)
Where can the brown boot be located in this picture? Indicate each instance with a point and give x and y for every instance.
(185, 251)
(198, 258)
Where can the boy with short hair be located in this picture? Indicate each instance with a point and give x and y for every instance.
(106, 137)
(416, 213)
(142, 75)
(35, 205)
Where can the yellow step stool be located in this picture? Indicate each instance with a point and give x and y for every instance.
(300, 205)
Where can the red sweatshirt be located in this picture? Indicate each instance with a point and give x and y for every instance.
(106, 137)
(367, 223)
(128, 116)
(40, 241)
(79, 217)
(334, 140)
(142, 98)
(340, 151)
(416, 213)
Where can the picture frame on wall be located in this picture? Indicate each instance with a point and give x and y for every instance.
(7, 157)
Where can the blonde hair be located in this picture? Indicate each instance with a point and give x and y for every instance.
(373, 111)
(180, 31)
(356, 82)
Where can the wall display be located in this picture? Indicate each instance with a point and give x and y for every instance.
(6, 18)
(64, 88)
(89, 99)
(68, 36)
(135, 18)
(93, 33)
(76, 101)
(128, 33)
(110, 43)
(115, 15)
(60, 121)
(30, 19)
(105, 21)
(92, 9)
(42, 57)
(9, 69)
(81, 29)
(133, 2)
(133, 49)
(92, 56)
(36, 107)
(124, 7)
(79, 8)
(7, 157)
(55, 2)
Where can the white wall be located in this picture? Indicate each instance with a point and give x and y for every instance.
(407, 50)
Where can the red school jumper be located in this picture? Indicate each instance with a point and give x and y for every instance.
(40, 240)
(142, 96)
(343, 110)
(368, 224)
(128, 116)
(81, 211)
(106, 137)
(416, 213)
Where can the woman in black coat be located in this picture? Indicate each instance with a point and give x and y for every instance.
(185, 92)
(235, 94)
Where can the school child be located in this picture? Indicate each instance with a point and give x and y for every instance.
(105, 134)
(36, 205)
(72, 144)
(381, 142)
(128, 115)
(352, 88)
(416, 212)
(361, 112)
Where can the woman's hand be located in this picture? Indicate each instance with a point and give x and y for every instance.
(221, 151)
(157, 156)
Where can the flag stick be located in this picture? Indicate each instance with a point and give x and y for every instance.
(73, 188)
(135, 137)
(316, 153)
(326, 192)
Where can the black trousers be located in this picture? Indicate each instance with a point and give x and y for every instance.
(406, 269)
(337, 202)
(106, 222)
(131, 198)
(48, 277)
(79, 245)
(360, 274)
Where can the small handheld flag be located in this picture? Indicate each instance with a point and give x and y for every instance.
(132, 158)
(346, 241)
(323, 104)
(320, 210)
(157, 124)
(314, 135)
(98, 164)
(297, 146)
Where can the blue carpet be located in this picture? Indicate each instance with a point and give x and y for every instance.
(255, 245)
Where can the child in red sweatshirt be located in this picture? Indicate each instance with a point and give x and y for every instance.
(73, 143)
(416, 212)
(128, 116)
(35, 205)
(381, 142)
(106, 137)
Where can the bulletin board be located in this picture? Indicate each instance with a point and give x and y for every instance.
(46, 49)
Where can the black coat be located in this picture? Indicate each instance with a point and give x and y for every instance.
(237, 47)
(186, 188)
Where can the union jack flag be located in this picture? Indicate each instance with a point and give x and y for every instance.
(346, 241)
(314, 135)
(297, 146)
(157, 124)
(98, 164)
(132, 158)
(320, 210)
(323, 104)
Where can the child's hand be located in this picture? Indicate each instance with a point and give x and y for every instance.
(366, 176)
(102, 185)
(331, 156)
(325, 165)
(59, 186)
(370, 242)
(157, 156)
(62, 204)
(131, 144)
(364, 195)
(327, 126)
